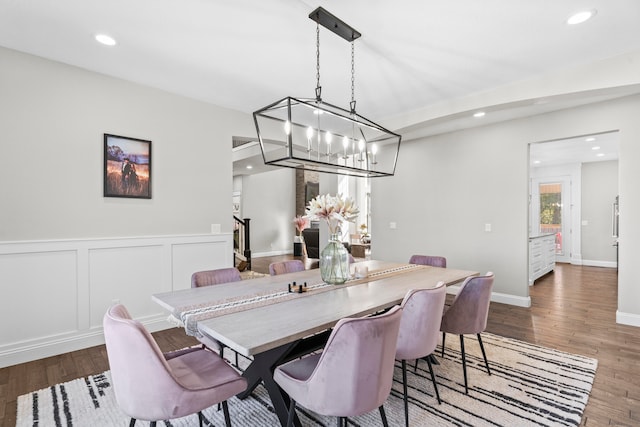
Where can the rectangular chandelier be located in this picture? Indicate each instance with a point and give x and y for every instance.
(311, 134)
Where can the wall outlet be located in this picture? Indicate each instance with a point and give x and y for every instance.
(215, 228)
(487, 227)
(393, 225)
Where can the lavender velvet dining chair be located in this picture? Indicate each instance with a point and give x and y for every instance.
(153, 386)
(353, 374)
(209, 278)
(468, 314)
(434, 261)
(215, 277)
(284, 267)
(419, 332)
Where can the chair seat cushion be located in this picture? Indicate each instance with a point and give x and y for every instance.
(202, 369)
(300, 369)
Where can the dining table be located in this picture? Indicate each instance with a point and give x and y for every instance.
(274, 319)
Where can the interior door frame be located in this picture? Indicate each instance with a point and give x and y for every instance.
(572, 238)
(567, 207)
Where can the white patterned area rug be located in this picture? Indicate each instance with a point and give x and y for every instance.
(529, 386)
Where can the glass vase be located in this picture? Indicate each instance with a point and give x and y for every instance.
(334, 261)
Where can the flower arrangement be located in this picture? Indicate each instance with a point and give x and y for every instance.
(301, 222)
(333, 209)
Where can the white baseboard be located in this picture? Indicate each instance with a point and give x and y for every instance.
(499, 297)
(271, 253)
(511, 299)
(595, 263)
(65, 343)
(630, 319)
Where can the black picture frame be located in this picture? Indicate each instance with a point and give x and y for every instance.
(127, 167)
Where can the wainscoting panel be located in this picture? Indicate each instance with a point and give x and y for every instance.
(55, 293)
(126, 275)
(31, 282)
(191, 257)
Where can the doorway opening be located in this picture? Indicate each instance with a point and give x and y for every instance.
(573, 185)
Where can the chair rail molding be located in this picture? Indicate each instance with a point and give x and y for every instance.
(59, 290)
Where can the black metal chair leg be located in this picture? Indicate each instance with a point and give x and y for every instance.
(292, 412)
(225, 411)
(340, 423)
(406, 398)
(486, 362)
(415, 367)
(152, 424)
(444, 334)
(383, 416)
(433, 379)
(464, 364)
(132, 422)
(200, 418)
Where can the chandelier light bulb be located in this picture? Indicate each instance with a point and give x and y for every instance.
(309, 132)
(287, 127)
(328, 137)
(374, 150)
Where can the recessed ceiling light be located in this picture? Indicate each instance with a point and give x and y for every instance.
(600, 155)
(590, 139)
(249, 167)
(580, 17)
(105, 40)
(595, 147)
(536, 162)
(479, 114)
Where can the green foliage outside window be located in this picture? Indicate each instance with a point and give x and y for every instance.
(550, 208)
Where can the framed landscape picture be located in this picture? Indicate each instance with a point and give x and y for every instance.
(127, 167)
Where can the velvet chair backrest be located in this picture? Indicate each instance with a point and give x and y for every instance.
(215, 277)
(434, 261)
(142, 379)
(284, 267)
(355, 371)
(420, 325)
(470, 308)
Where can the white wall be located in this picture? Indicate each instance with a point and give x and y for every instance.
(269, 200)
(51, 181)
(66, 252)
(447, 187)
(600, 188)
(445, 190)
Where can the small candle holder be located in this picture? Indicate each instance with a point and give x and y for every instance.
(297, 289)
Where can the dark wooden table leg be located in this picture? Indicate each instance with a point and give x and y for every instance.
(261, 371)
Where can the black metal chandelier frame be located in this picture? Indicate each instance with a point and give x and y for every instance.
(298, 132)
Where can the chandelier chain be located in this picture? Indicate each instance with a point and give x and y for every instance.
(353, 72)
(353, 77)
(318, 87)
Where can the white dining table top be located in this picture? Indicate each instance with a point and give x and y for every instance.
(261, 328)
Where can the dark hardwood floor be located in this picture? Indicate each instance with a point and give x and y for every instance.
(573, 309)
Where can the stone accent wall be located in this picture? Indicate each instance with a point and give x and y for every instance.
(302, 178)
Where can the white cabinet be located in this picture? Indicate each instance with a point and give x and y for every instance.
(542, 256)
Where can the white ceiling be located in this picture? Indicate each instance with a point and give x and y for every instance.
(245, 54)
(581, 149)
